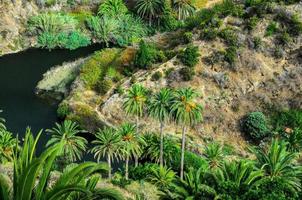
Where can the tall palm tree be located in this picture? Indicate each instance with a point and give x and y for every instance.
(107, 144)
(74, 145)
(131, 145)
(149, 9)
(186, 112)
(214, 154)
(32, 175)
(7, 146)
(278, 162)
(184, 8)
(159, 108)
(135, 103)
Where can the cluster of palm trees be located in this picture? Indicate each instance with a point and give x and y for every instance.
(273, 174)
(153, 9)
(165, 106)
(32, 176)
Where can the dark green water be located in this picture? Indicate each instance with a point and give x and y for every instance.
(19, 75)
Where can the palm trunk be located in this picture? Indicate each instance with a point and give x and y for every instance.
(161, 156)
(109, 166)
(126, 168)
(136, 157)
(183, 142)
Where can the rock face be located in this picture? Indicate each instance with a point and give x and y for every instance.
(14, 15)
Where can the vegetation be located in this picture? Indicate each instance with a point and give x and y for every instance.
(255, 126)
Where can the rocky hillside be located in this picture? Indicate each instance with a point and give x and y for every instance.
(264, 74)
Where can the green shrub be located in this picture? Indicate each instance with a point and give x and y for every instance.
(230, 37)
(187, 73)
(112, 8)
(192, 161)
(252, 23)
(255, 126)
(146, 55)
(189, 56)
(230, 55)
(257, 42)
(167, 20)
(156, 76)
(272, 28)
(103, 86)
(142, 172)
(209, 33)
(284, 38)
(63, 110)
(287, 118)
(229, 7)
(188, 37)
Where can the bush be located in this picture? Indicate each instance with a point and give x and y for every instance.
(189, 56)
(63, 110)
(271, 29)
(229, 36)
(229, 7)
(146, 55)
(188, 37)
(187, 73)
(230, 55)
(284, 38)
(255, 126)
(192, 161)
(167, 20)
(103, 86)
(257, 42)
(286, 119)
(252, 23)
(209, 33)
(142, 172)
(156, 76)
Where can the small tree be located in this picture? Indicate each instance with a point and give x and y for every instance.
(255, 125)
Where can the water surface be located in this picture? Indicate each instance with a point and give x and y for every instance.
(19, 75)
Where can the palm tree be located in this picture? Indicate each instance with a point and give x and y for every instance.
(153, 151)
(32, 175)
(194, 187)
(186, 112)
(278, 163)
(149, 9)
(107, 144)
(131, 145)
(134, 104)
(162, 178)
(112, 8)
(214, 154)
(242, 174)
(74, 145)
(159, 108)
(184, 8)
(7, 146)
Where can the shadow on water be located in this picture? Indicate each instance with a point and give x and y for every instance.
(19, 75)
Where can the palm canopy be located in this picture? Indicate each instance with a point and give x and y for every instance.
(241, 173)
(107, 143)
(159, 105)
(32, 175)
(112, 8)
(214, 154)
(184, 8)
(135, 100)
(149, 9)
(184, 109)
(131, 142)
(7, 146)
(278, 162)
(68, 131)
